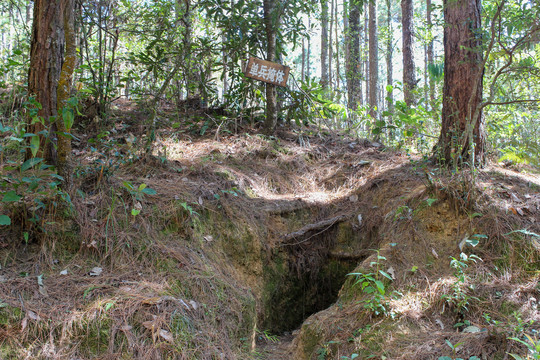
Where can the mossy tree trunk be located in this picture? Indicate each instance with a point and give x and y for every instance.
(49, 79)
(64, 165)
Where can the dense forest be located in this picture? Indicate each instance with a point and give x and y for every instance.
(273, 179)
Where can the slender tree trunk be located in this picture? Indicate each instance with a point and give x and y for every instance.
(303, 77)
(101, 71)
(347, 38)
(271, 98)
(338, 70)
(426, 78)
(389, 65)
(409, 81)
(430, 53)
(324, 43)
(373, 60)
(330, 44)
(192, 76)
(463, 85)
(29, 13)
(225, 65)
(308, 62)
(365, 53)
(64, 165)
(354, 71)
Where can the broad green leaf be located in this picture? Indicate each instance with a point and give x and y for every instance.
(30, 163)
(380, 286)
(142, 187)
(135, 212)
(149, 191)
(11, 196)
(5, 220)
(386, 275)
(68, 117)
(34, 145)
(127, 185)
(431, 201)
(472, 242)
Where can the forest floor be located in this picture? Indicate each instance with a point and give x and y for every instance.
(235, 245)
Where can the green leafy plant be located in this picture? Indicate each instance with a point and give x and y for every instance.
(267, 336)
(533, 346)
(32, 186)
(459, 297)
(372, 284)
(454, 348)
(137, 193)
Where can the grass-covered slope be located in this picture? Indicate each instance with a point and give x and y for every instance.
(216, 244)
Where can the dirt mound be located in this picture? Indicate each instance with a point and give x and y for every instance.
(210, 248)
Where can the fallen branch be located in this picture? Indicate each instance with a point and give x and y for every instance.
(321, 225)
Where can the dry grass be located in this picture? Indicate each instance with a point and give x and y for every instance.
(183, 279)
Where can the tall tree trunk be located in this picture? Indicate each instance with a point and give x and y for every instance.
(365, 45)
(389, 65)
(324, 43)
(336, 26)
(29, 14)
(430, 53)
(354, 70)
(426, 78)
(347, 39)
(225, 65)
(373, 60)
(462, 123)
(409, 81)
(192, 76)
(46, 50)
(271, 98)
(330, 44)
(64, 165)
(308, 62)
(303, 77)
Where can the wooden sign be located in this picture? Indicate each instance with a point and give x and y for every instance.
(267, 71)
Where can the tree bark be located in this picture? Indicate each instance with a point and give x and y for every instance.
(64, 165)
(389, 65)
(463, 84)
(308, 61)
(324, 43)
(46, 49)
(192, 76)
(354, 70)
(303, 71)
(409, 81)
(365, 54)
(271, 98)
(338, 70)
(373, 60)
(430, 53)
(330, 44)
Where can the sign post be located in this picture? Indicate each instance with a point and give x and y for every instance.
(267, 71)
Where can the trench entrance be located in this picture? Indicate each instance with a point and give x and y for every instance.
(305, 277)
